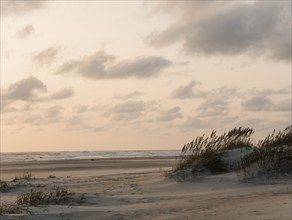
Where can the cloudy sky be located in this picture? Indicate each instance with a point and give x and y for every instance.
(136, 75)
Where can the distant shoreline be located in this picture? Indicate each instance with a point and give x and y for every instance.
(85, 155)
(73, 167)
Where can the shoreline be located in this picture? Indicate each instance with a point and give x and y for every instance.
(84, 167)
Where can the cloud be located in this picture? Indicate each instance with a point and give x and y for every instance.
(194, 122)
(48, 116)
(63, 94)
(217, 102)
(186, 91)
(266, 92)
(213, 107)
(27, 89)
(130, 106)
(85, 108)
(128, 96)
(33, 119)
(77, 123)
(126, 111)
(81, 109)
(261, 28)
(211, 123)
(20, 7)
(103, 66)
(258, 103)
(170, 114)
(25, 32)
(190, 91)
(31, 90)
(265, 103)
(284, 105)
(5, 109)
(47, 56)
(53, 114)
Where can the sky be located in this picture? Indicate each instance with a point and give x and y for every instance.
(141, 75)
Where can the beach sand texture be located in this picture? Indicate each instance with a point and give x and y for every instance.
(138, 189)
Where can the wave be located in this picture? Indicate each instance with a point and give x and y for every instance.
(71, 155)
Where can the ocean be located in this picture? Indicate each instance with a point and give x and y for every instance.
(71, 155)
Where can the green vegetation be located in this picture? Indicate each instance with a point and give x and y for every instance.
(206, 155)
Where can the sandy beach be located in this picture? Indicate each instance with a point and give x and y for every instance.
(139, 189)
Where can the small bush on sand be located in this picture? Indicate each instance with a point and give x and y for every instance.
(52, 176)
(25, 176)
(273, 155)
(38, 197)
(5, 186)
(34, 197)
(205, 154)
(11, 209)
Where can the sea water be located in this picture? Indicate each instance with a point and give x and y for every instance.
(71, 155)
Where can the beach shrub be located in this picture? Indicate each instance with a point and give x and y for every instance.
(206, 154)
(25, 176)
(273, 155)
(39, 197)
(11, 208)
(4, 186)
(35, 197)
(52, 176)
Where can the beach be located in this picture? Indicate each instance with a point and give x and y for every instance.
(137, 188)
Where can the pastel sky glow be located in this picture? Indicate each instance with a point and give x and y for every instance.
(138, 75)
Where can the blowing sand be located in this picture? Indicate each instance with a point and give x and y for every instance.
(138, 189)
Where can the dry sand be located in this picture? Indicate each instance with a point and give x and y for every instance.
(138, 189)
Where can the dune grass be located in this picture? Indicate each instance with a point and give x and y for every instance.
(206, 154)
(40, 197)
(35, 197)
(11, 208)
(4, 186)
(272, 155)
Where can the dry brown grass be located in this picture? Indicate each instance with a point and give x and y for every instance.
(205, 153)
(273, 155)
